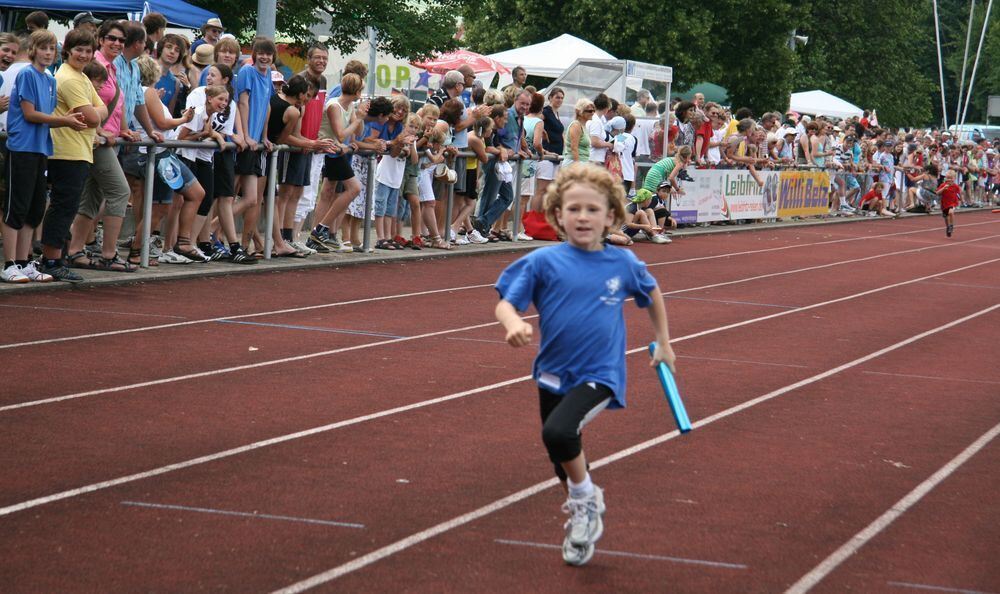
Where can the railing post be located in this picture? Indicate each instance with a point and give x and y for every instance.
(449, 205)
(147, 206)
(272, 180)
(366, 238)
(516, 210)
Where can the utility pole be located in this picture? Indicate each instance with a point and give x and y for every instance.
(266, 17)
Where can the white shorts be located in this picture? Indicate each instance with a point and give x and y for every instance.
(527, 186)
(425, 182)
(547, 170)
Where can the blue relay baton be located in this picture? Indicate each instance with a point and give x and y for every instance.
(672, 394)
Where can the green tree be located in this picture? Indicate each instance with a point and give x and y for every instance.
(876, 59)
(407, 28)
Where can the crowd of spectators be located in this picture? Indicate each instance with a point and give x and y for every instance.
(84, 116)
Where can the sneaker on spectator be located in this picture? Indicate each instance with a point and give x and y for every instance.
(219, 252)
(476, 237)
(462, 240)
(345, 247)
(34, 274)
(126, 243)
(684, 175)
(60, 272)
(240, 256)
(172, 257)
(317, 246)
(522, 236)
(660, 238)
(303, 248)
(13, 274)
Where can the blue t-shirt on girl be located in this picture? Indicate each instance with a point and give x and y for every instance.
(39, 89)
(258, 84)
(579, 296)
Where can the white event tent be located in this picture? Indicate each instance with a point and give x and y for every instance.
(823, 103)
(550, 58)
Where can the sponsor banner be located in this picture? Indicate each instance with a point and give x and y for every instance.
(803, 193)
(725, 195)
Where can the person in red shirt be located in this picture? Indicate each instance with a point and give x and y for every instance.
(874, 201)
(951, 196)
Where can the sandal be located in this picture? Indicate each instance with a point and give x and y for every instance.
(80, 260)
(135, 257)
(416, 243)
(493, 237)
(438, 242)
(190, 254)
(115, 264)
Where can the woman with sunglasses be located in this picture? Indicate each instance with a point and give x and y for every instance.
(577, 141)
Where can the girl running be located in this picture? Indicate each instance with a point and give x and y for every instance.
(580, 367)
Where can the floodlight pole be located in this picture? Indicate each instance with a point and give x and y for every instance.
(372, 52)
(267, 11)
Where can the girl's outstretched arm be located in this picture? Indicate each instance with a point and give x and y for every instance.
(518, 331)
(658, 315)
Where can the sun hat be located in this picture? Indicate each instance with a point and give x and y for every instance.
(213, 23)
(169, 169)
(204, 55)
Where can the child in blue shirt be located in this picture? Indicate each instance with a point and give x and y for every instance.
(253, 102)
(579, 289)
(29, 145)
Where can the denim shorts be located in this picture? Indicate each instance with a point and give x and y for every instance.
(385, 200)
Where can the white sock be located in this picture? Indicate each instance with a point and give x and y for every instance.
(843, 202)
(580, 490)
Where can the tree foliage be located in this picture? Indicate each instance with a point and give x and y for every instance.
(879, 56)
(407, 28)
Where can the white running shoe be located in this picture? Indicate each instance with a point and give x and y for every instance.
(522, 236)
(13, 274)
(172, 257)
(585, 525)
(661, 238)
(574, 555)
(345, 247)
(302, 248)
(462, 240)
(476, 237)
(36, 275)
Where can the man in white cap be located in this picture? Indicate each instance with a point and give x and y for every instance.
(211, 31)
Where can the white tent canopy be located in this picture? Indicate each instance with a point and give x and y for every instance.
(823, 103)
(550, 58)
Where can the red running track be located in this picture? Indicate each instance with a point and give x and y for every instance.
(373, 498)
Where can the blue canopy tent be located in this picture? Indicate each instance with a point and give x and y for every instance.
(177, 12)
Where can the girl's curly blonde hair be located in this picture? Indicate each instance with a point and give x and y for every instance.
(595, 176)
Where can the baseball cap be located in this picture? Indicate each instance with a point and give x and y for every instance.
(85, 17)
(277, 76)
(786, 131)
(617, 123)
(665, 185)
(169, 169)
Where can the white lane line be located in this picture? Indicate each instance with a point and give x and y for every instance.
(801, 245)
(430, 292)
(539, 545)
(400, 409)
(15, 345)
(730, 302)
(740, 361)
(326, 353)
(448, 525)
(936, 588)
(963, 285)
(932, 377)
(860, 539)
(226, 512)
(97, 311)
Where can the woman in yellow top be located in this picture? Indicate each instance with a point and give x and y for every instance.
(577, 145)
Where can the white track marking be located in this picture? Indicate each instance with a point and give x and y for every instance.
(932, 377)
(226, 512)
(326, 353)
(401, 409)
(646, 556)
(448, 525)
(899, 508)
(936, 588)
(97, 311)
(744, 361)
(964, 285)
(419, 293)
